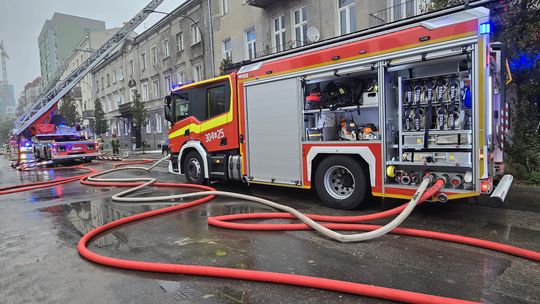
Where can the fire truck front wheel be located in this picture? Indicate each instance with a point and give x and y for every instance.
(194, 168)
(340, 182)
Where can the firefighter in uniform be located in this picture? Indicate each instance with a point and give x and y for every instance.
(115, 143)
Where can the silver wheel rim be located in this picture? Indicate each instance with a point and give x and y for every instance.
(194, 168)
(339, 182)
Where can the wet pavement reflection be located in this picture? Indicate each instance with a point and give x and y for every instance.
(38, 250)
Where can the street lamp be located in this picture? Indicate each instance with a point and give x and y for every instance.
(194, 22)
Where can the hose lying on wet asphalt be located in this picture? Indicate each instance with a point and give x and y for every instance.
(262, 276)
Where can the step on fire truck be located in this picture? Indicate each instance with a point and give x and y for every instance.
(369, 113)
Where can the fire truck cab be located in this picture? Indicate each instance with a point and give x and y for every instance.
(369, 113)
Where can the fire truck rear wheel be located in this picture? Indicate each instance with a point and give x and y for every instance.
(194, 168)
(340, 182)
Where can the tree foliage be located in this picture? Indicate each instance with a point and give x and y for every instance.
(5, 128)
(139, 112)
(68, 109)
(99, 124)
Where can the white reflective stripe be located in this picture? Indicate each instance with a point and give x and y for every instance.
(202, 152)
(364, 152)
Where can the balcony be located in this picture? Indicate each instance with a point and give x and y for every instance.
(262, 3)
(125, 109)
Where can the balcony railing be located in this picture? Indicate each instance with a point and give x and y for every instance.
(409, 9)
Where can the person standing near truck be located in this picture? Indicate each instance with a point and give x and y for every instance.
(115, 143)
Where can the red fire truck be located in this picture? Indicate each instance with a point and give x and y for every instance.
(368, 113)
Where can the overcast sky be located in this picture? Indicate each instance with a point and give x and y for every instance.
(21, 22)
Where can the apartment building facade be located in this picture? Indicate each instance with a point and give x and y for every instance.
(172, 51)
(192, 42)
(59, 36)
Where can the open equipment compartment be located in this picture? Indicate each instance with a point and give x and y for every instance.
(341, 105)
(429, 121)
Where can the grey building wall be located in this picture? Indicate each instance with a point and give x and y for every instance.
(159, 76)
(59, 36)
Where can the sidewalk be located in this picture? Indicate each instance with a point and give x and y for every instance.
(127, 153)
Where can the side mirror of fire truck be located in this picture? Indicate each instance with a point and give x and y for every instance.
(167, 109)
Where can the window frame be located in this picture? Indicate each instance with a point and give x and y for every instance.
(281, 33)
(299, 41)
(224, 7)
(195, 33)
(143, 61)
(251, 42)
(226, 53)
(179, 42)
(153, 51)
(165, 48)
(349, 9)
(145, 94)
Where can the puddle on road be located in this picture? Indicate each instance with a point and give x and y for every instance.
(514, 234)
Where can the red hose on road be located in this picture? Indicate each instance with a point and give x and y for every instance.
(273, 277)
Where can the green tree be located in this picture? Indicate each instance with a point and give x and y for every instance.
(5, 129)
(138, 111)
(69, 111)
(99, 124)
(224, 67)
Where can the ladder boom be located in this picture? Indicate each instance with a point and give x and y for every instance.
(58, 88)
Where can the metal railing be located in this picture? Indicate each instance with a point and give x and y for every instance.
(409, 9)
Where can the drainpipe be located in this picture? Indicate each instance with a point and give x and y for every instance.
(211, 25)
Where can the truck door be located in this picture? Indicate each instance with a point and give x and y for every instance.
(273, 131)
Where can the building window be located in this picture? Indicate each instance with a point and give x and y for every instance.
(168, 84)
(132, 93)
(347, 16)
(180, 42)
(155, 85)
(180, 76)
(148, 125)
(278, 32)
(153, 50)
(251, 47)
(126, 127)
(131, 68)
(144, 89)
(102, 83)
(118, 128)
(197, 72)
(195, 34)
(226, 49)
(159, 124)
(143, 61)
(299, 17)
(165, 46)
(401, 9)
(97, 85)
(108, 80)
(224, 7)
(120, 76)
(114, 77)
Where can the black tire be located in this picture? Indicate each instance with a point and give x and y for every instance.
(47, 153)
(193, 168)
(340, 182)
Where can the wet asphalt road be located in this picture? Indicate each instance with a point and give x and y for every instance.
(39, 262)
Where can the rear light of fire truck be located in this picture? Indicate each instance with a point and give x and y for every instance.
(486, 185)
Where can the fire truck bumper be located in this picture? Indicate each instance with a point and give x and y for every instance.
(87, 155)
(499, 194)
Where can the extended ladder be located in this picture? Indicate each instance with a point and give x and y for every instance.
(57, 89)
